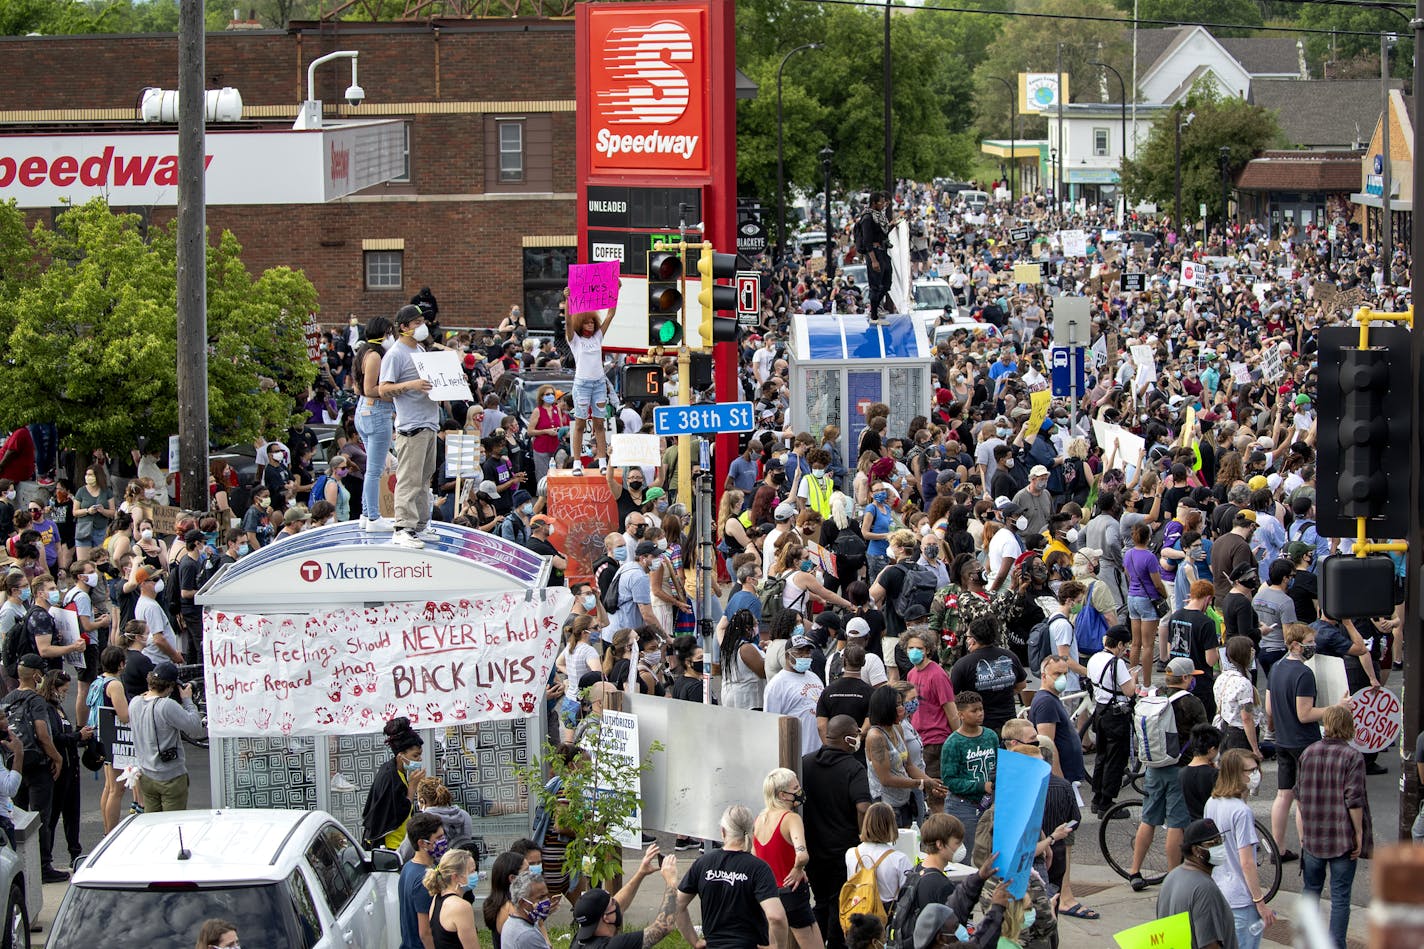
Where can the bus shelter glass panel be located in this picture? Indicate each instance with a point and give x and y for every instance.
(269, 772)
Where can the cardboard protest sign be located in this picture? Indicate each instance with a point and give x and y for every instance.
(1038, 402)
(1021, 784)
(348, 670)
(593, 286)
(463, 455)
(442, 369)
(1027, 273)
(617, 737)
(165, 516)
(1378, 719)
(1171, 932)
(583, 511)
(627, 451)
(1330, 680)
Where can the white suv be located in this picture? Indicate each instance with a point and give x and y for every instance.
(287, 879)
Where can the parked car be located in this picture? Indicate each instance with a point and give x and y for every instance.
(932, 295)
(857, 275)
(288, 879)
(975, 201)
(16, 934)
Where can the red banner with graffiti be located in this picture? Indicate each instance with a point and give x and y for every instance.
(584, 512)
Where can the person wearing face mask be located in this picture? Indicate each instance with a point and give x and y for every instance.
(941, 925)
(1050, 717)
(374, 418)
(1234, 864)
(598, 914)
(929, 892)
(160, 718)
(417, 419)
(452, 921)
(549, 417)
(515, 527)
(391, 800)
(814, 489)
(796, 689)
(415, 901)
(779, 839)
(1001, 541)
(1189, 888)
(876, 526)
(837, 797)
(687, 664)
(93, 508)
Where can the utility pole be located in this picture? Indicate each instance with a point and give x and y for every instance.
(1386, 204)
(192, 261)
(1413, 662)
(1057, 196)
(889, 140)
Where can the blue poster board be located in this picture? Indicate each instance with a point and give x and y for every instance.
(1020, 786)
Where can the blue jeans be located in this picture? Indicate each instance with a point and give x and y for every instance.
(1246, 917)
(375, 423)
(968, 815)
(1342, 880)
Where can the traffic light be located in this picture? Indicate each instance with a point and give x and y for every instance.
(714, 328)
(664, 298)
(1363, 446)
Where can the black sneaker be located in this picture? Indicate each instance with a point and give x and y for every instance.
(54, 875)
(1137, 883)
(688, 843)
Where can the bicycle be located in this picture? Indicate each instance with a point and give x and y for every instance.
(1118, 831)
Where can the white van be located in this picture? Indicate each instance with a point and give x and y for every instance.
(975, 201)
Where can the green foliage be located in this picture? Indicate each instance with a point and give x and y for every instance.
(1245, 12)
(90, 333)
(1029, 44)
(1322, 51)
(594, 802)
(1220, 121)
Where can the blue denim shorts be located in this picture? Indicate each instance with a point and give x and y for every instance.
(1141, 608)
(587, 394)
(1163, 802)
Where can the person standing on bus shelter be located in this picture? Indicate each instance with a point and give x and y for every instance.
(585, 332)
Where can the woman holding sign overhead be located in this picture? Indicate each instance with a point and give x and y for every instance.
(585, 332)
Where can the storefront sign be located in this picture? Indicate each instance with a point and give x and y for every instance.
(243, 167)
(344, 671)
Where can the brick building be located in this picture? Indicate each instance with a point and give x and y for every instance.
(484, 214)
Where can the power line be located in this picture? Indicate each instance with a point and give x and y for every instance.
(1115, 20)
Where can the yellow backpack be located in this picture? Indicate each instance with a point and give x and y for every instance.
(861, 894)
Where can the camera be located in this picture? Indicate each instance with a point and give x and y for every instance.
(355, 95)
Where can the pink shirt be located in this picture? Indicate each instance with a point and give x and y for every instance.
(934, 690)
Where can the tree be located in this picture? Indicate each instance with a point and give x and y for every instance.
(1322, 50)
(90, 334)
(1247, 13)
(1221, 121)
(1031, 44)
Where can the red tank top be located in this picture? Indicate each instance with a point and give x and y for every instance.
(777, 852)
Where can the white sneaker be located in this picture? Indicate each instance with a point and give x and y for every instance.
(578, 466)
(408, 538)
(603, 466)
(341, 784)
(377, 525)
(428, 534)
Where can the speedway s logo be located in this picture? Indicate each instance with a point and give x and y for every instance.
(647, 88)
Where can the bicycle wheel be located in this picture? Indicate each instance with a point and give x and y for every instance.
(1116, 835)
(1268, 861)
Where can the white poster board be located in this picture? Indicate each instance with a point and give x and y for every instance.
(1074, 243)
(1146, 362)
(629, 451)
(348, 670)
(66, 624)
(1331, 685)
(463, 455)
(446, 375)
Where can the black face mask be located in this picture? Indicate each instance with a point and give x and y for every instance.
(698, 667)
(640, 530)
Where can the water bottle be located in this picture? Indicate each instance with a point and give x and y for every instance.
(1258, 927)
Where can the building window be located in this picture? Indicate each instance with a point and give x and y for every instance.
(1101, 142)
(404, 176)
(546, 274)
(511, 151)
(384, 269)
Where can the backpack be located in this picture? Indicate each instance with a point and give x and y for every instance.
(318, 491)
(1089, 627)
(848, 543)
(1155, 741)
(611, 595)
(596, 571)
(20, 711)
(770, 593)
(916, 592)
(1040, 643)
(900, 933)
(861, 894)
(20, 641)
(1062, 478)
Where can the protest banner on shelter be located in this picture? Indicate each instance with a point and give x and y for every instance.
(583, 512)
(349, 670)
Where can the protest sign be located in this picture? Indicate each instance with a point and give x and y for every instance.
(116, 739)
(1378, 719)
(593, 286)
(583, 511)
(1330, 681)
(442, 369)
(165, 518)
(173, 462)
(1241, 373)
(1039, 402)
(1021, 784)
(1129, 447)
(66, 626)
(1074, 243)
(1099, 352)
(627, 451)
(1190, 273)
(1271, 367)
(1171, 932)
(618, 738)
(1146, 362)
(463, 455)
(348, 670)
(1027, 273)
(1184, 440)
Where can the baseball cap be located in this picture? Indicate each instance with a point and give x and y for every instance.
(1181, 667)
(145, 574)
(165, 670)
(539, 519)
(1257, 482)
(32, 660)
(785, 511)
(490, 490)
(1266, 443)
(589, 910)
(1302, 399)
(857, 628)
(1297, 549)
(296, 512)
(645, 548)
(1199, 832)
(1089, 553)
(1038, 471)
(408, 313)
(1117, 635)
(653, 493)
(801, 642)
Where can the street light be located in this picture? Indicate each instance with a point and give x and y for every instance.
(1013, 121)
(1182, 122)
(780, 172)
(1122, 96)
(826, 154)
(1223, 158)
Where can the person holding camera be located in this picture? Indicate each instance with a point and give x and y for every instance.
(159, 720)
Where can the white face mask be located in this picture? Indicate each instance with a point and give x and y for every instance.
(1217, 855)
(421, 333)
(387, 343)
(145, 534)
(1071, 535)
(960, 854)
(1021, 523)
(1255, 782)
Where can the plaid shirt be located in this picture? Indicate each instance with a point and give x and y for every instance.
(1331, 781)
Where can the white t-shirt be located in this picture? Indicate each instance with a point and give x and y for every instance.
(796, 693)
(1003, 544)
(762, 361)
(157, 619)
(1099, 672)
(889, 876)
(588, 356)
(631, 421)
(582, 659)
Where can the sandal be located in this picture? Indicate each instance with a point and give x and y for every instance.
(1079, 911)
